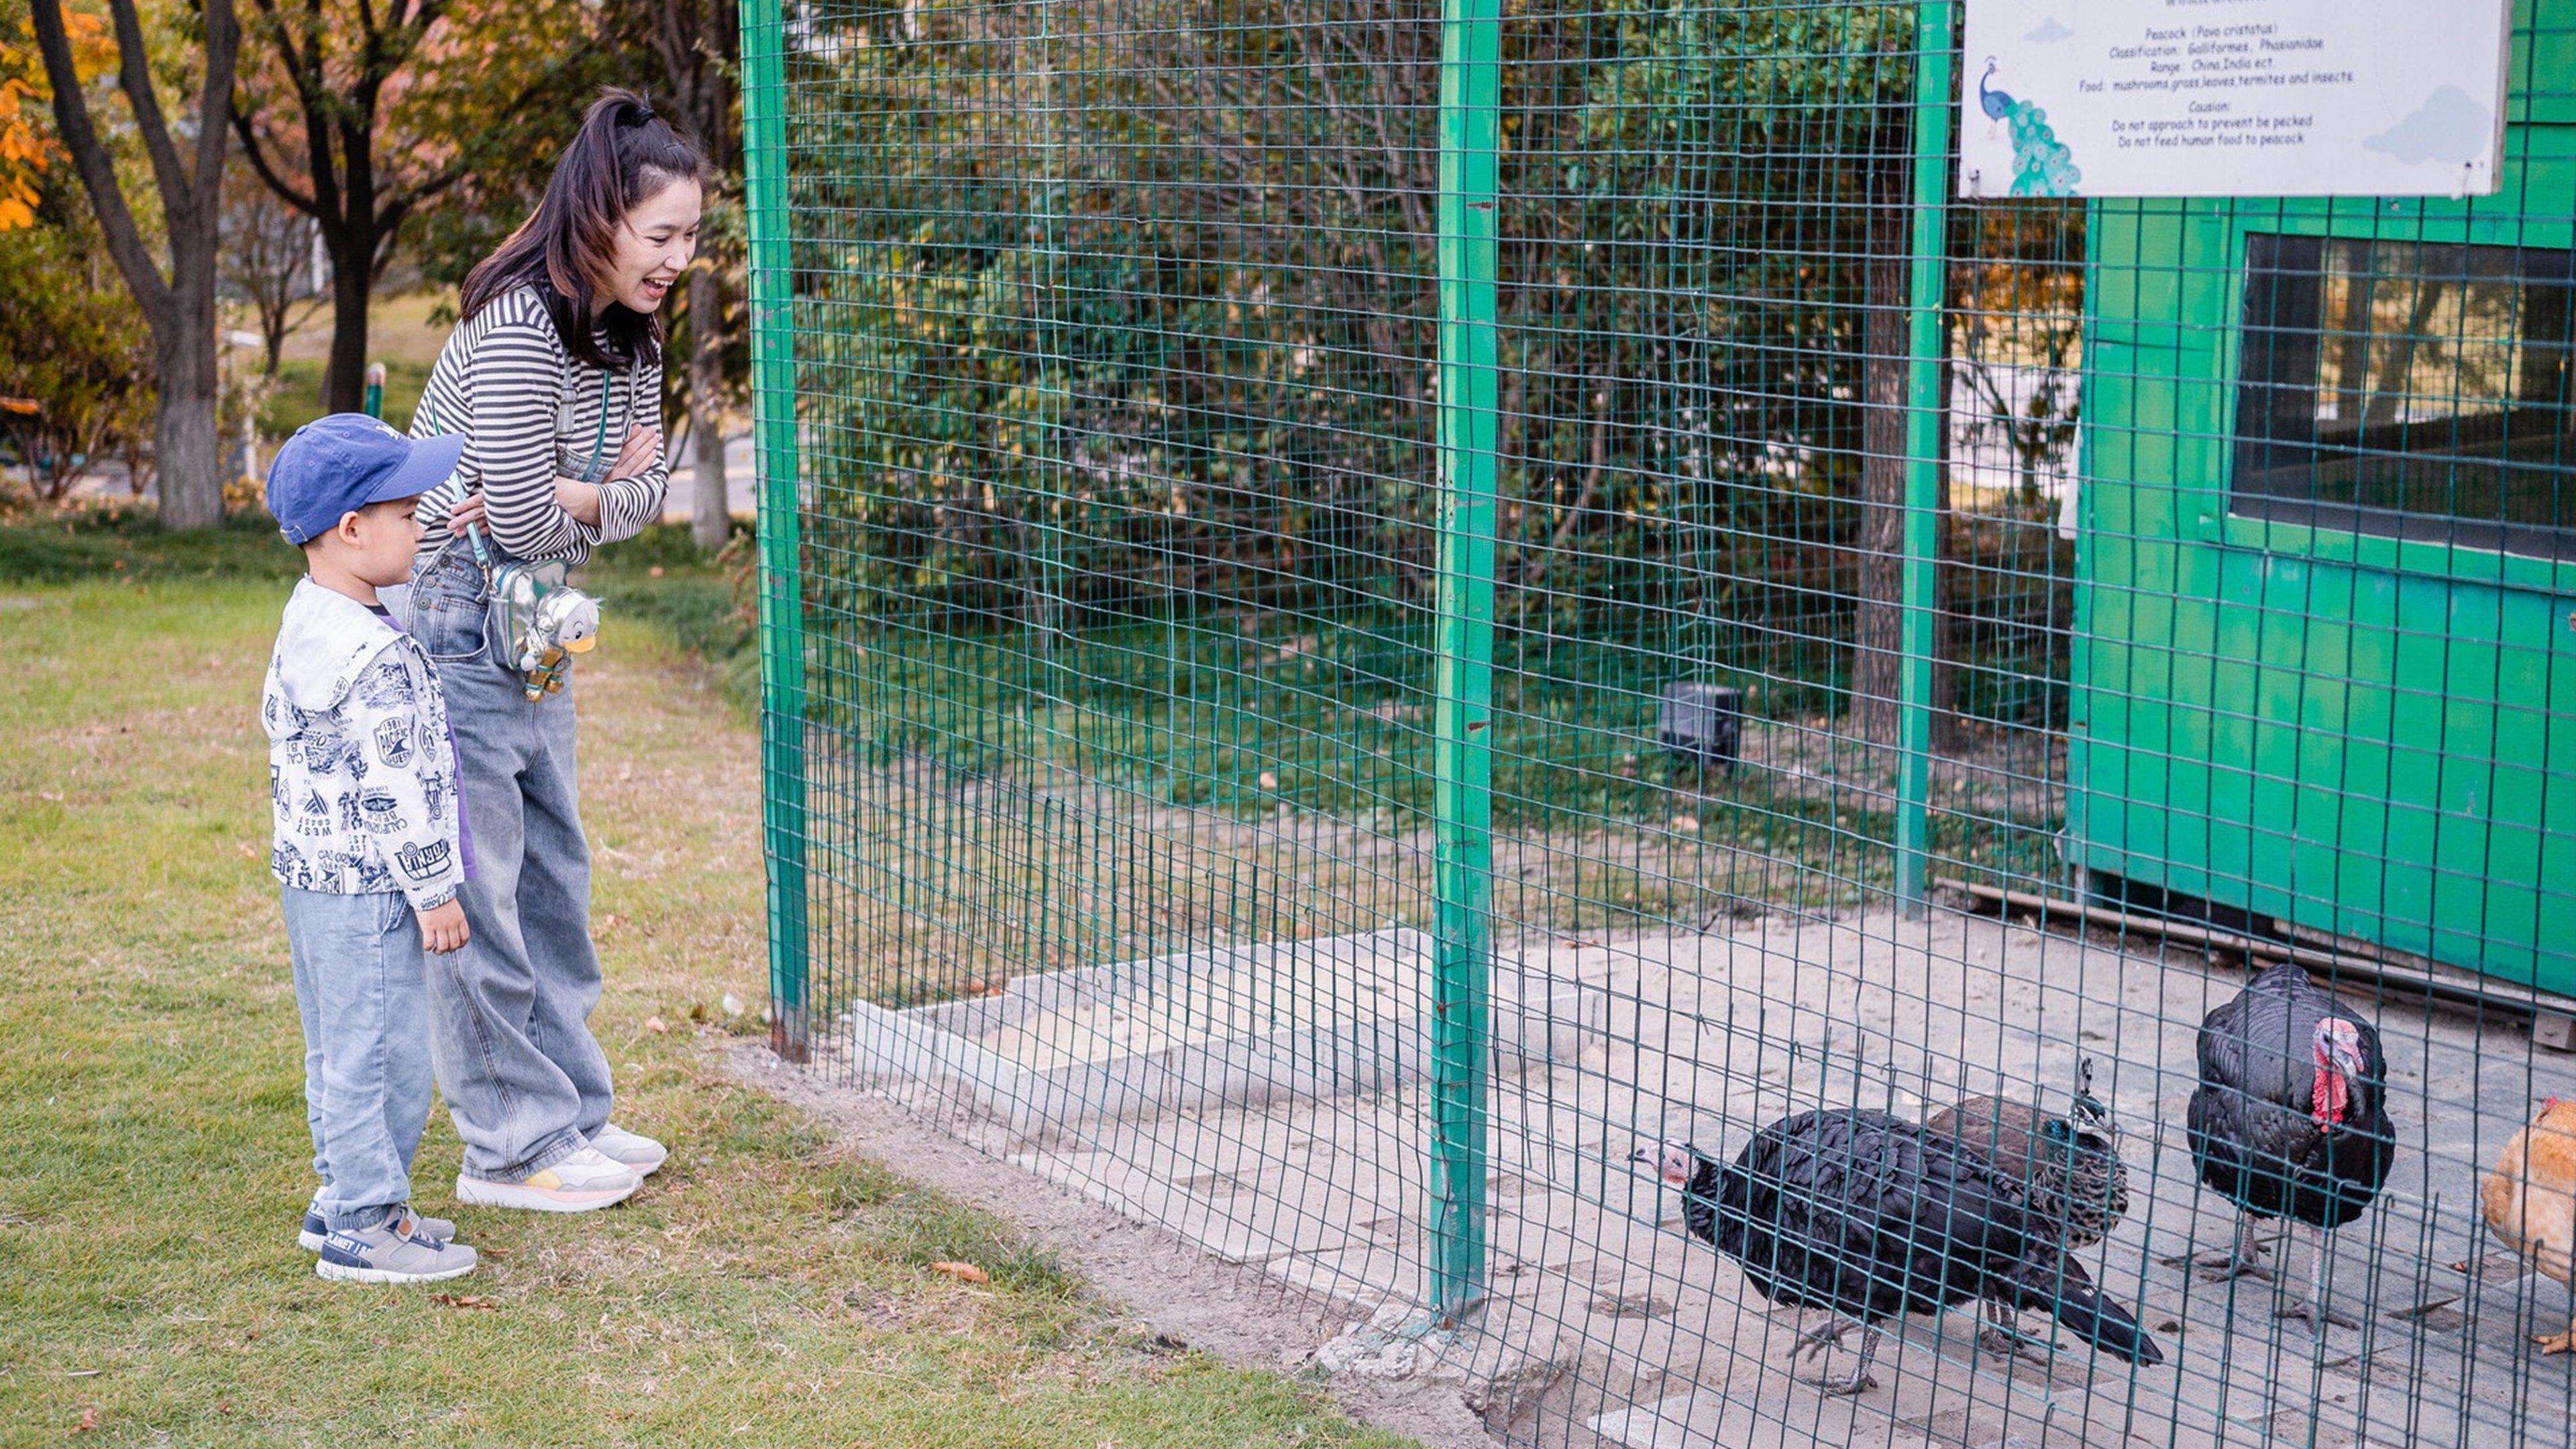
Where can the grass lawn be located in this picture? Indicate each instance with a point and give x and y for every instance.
(766, 1288)
(400, 334)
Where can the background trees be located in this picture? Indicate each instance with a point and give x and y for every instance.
(358, 115)
(1134, 308)
(75, 351)
(179, 303)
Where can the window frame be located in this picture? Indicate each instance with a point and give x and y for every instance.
(2250, 343)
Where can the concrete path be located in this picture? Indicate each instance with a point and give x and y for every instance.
(1607, 1324)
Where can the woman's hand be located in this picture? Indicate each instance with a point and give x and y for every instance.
(579, 499)
(641, 450)
(466, 514)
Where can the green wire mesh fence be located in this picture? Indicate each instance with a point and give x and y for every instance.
(1396, 639)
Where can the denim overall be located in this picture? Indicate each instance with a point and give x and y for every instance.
(509, 1013)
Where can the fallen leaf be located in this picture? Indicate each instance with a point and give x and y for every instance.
(654, 572)
(606, 924)
(697, 1011)
(962, 1272)
(1686, 822)
(89, 1416)
(1269, 780)
(656, 1025)
(248, 850)
(732, 1004)
(465, 1300)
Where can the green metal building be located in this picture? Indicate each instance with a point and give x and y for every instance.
(2325, 669)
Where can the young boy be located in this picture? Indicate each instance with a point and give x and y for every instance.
(369, 848)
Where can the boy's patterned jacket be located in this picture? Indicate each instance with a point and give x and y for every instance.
(362, 779)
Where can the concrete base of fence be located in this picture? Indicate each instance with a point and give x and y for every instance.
(1239, 1024)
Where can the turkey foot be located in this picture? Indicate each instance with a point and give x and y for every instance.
(2317, 1316)
(2219, 1267)
(1858, 1380)
(1998, 1337)
(2556, 1342)
(2243, 1258)
(1813, 1342)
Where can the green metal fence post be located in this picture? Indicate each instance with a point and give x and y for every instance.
(1470, 137)
(375, 395)
(1923, 427)
(782, 607)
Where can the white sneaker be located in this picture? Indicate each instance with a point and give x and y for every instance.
(640, 1154)
(394, 1251)
(585, 1181)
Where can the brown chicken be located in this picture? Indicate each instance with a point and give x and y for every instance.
(2530, 1201)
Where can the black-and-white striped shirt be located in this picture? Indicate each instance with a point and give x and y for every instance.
(530, 411)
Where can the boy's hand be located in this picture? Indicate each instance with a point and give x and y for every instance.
(443, 929)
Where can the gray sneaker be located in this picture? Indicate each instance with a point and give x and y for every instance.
(309, 1237)
(394, 1251)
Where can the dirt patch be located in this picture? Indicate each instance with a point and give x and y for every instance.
(1157, 1281)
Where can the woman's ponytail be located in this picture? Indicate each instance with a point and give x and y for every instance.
(623, 153)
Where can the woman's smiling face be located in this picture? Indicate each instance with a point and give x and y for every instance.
(654, 245)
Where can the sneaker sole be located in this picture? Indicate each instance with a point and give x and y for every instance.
(312, 1242)
(340, 1273)
(539, 1199)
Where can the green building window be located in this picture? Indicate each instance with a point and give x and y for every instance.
(2410, 390)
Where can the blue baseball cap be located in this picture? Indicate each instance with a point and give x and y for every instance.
(336, 465)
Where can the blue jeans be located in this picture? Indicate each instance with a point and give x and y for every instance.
(509, 1013)
(360, 991)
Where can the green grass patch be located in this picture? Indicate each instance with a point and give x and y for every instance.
(766, 1289)
(297, 397)
(115, 544)
(1329, 715)
(703, 603)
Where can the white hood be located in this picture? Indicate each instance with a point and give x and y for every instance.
(325, 641)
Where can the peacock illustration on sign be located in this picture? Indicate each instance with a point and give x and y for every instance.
(2042, 164)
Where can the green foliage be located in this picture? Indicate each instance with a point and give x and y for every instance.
(1109, 349)
(73, 344)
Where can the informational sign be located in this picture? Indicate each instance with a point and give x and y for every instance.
(2232, 97)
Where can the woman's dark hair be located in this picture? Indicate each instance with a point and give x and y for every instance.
(567, 248)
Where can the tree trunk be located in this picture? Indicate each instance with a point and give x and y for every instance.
(344, 378)
(1878, 616)
(712, 519)
(187, 453)
(181, 305)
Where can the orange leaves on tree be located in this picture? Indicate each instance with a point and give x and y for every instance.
(27, 144)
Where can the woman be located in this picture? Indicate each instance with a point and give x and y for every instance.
(555, 377)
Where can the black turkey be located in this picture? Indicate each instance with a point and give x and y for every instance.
(2290, 1119)
(1870, 1217)
(2066, 1170)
